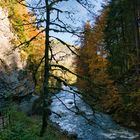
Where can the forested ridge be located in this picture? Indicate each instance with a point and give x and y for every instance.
(100, 73)
(109, 57)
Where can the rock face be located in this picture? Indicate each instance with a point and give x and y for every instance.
(9, 57)
(27, 104)
(64, 57)
(13, 80)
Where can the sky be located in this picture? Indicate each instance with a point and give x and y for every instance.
(80, 16)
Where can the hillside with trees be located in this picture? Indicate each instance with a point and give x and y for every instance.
(110, 60)
(54, 90)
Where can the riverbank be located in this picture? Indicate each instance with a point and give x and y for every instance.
(124, 114)
(25, 127)
(124, 105)
(128, 113)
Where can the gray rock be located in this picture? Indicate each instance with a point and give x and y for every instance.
(27, 105)
(12, 82)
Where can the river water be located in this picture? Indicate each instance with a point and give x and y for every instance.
(86, 124)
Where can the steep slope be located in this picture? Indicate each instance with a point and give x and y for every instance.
(12, 79)
(129, 90)
(6, 36)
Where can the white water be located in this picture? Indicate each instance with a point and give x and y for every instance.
(88, 126)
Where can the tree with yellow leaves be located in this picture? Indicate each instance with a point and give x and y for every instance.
(92, 64)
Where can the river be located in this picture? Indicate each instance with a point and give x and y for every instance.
(86, 124)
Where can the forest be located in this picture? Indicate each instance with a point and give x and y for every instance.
(69, 70)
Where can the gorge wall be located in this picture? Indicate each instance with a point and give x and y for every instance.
(13, 80)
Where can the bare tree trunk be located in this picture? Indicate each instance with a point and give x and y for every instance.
(45, 96)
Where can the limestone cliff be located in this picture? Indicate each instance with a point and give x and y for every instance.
(6, 36)
(64, 57)
(12, 79)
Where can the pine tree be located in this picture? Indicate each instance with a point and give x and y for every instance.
(121, 37)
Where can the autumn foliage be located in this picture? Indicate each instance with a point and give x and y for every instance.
(96, 84)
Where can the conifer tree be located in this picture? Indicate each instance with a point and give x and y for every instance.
(122, 36)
